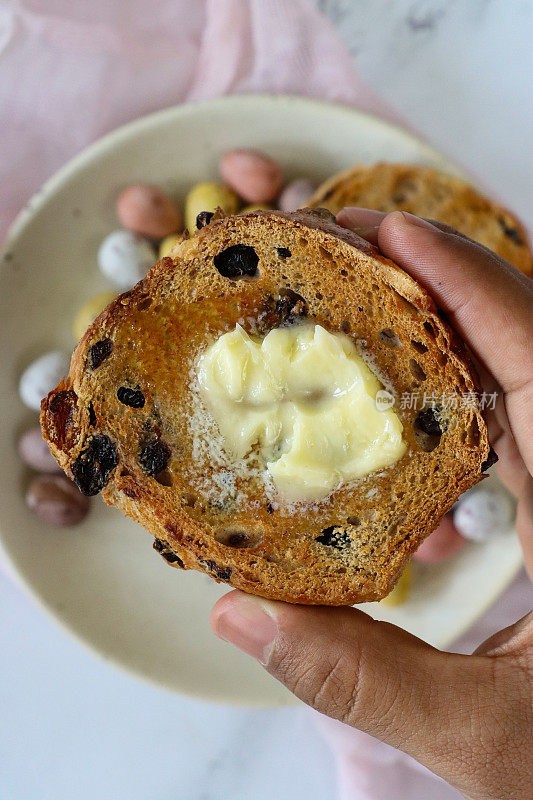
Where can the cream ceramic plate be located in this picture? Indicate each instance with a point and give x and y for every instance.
(102, 580)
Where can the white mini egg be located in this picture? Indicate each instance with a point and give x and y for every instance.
(41, 377)
(483, 513)
(125, 258)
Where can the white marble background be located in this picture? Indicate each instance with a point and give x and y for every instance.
(460, 72)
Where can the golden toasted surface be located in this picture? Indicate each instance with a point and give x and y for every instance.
(129, 420)
(431, 194)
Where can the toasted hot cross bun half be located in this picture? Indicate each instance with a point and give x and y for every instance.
(428, 193)
(129, 421)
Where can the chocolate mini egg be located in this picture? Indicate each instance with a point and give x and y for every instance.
(57, 501)
(89, 311)
(41, 376)
(296, 195)
(256, 177)
(206, 197)
(401, 591)
(147, 210)
(125, 258)
(255, 207)
(483, 513)
(34, 451)
(167, 244)
(443, 543)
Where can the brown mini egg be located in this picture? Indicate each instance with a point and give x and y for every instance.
(57, 501)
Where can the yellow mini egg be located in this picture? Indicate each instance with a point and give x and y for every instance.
(401, 591)
(89, 311)
(256, 207)
(206, 197)
(167, 244)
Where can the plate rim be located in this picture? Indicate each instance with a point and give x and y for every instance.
(68, 171)
(109, 139)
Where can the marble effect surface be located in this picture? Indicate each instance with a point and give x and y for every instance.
(74, 726)
(459, 72)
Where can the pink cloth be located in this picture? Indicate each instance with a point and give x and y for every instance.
(71, 71)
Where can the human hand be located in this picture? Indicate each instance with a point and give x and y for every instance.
(467, 718)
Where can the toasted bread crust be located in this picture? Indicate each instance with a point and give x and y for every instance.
(367, 529)
(431, 194)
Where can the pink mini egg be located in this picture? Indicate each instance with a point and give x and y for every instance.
(443, 543)
(34, 451)
(147, 210)
(256, 177)
(296, 195)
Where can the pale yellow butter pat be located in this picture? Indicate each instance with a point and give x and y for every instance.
(307, 400)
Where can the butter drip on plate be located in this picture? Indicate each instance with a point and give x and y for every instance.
(307, 400)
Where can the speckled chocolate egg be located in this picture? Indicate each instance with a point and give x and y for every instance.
(34, 451)
(89, 311)
(41, 376)
(207, 196)
(402, 591)
(125, 258)
(483, 513)
(296, 194)
(147, 210)
(255, 207)
(255, 177)
(57, 501)
(443, 543)
(167, 244)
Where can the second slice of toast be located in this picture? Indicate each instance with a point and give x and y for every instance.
(429, 193)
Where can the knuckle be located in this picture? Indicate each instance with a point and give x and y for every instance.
(341, 682)
(334, 686)
(328, 683)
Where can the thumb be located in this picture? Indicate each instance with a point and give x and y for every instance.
(373, 676)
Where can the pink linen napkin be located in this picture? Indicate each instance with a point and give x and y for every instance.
(72, 70)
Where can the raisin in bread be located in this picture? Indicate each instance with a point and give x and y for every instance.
(431, 194)
(129, 422)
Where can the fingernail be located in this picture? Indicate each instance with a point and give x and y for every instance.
(244, 622)
(410, 219)
(353, 216)
(368, 233)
